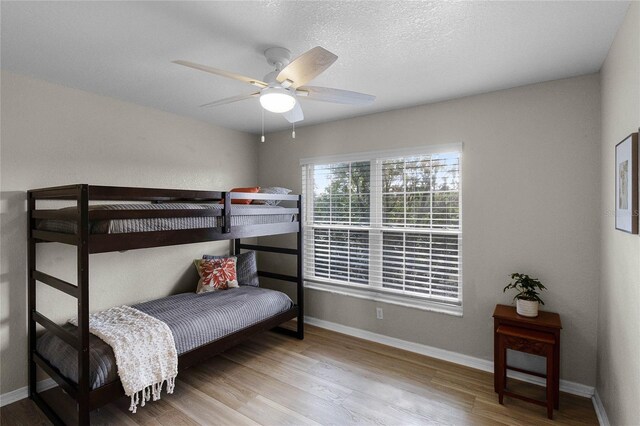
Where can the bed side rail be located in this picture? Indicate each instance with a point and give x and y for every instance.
(124, 193)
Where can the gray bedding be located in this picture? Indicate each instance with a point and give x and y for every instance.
(194, 320)
(120, 226)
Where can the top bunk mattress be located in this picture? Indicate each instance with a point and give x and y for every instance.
(240, 215)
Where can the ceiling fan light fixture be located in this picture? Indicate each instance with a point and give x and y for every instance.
(277, 100)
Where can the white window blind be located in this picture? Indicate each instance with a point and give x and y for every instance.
(385, 222)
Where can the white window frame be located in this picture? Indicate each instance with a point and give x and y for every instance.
(372, 292)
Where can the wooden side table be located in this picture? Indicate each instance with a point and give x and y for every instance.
(523, 327)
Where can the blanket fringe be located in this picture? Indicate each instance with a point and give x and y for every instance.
(151, 391)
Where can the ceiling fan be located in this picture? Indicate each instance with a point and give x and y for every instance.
(281, 89)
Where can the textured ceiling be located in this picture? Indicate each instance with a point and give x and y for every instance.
(405, 53)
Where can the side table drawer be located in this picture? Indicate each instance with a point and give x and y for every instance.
(525, 340)
(525, 345)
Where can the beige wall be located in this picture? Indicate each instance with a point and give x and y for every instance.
(618, 376)
(53, 135)
(530, 203)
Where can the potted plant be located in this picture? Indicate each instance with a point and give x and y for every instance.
(527, 299)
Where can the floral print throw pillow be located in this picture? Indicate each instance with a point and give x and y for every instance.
(216, 274)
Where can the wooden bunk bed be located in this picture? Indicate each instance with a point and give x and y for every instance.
(87, 399)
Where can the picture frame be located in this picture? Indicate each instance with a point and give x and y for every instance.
(626, 184)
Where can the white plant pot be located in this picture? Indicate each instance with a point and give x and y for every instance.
(527, 308)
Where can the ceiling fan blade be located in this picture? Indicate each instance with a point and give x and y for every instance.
(295, 114)
(339, 96)
(223, 73)
(306, 67)
(230, 100)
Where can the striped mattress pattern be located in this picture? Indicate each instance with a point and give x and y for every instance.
(120, 226)
(198, 319)
(194, 320)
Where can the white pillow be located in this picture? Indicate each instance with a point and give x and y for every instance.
(271, 190)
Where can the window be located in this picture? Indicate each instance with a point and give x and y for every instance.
(386, 226)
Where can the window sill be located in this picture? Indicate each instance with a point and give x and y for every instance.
(383, 297)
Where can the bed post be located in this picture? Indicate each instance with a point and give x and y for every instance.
(83, 305)
(300, 283)
(226, 211)
(31, 266)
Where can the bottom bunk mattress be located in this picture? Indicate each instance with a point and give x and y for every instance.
(194, 320)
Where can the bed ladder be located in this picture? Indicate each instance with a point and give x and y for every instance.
(298, 279)
(80, 340)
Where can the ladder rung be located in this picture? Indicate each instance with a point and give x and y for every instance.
(269, 249)
(275, 276)
(55, 237)
(54, 282)
(65, 335)
(59, 214)
(64, 383)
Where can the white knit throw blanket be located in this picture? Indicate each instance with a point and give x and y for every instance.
(144, 349)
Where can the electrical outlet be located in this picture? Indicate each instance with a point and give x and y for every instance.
(379, 313)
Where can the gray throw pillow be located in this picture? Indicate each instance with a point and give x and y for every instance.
(271, 190)
(246, 268)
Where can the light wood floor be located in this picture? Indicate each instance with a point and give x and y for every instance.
(330, 379)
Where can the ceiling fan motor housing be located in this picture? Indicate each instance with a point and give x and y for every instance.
(278, 57)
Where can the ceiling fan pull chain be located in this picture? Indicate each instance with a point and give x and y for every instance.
(293, 133)
(262, 137)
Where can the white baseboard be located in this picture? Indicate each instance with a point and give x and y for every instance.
(600, 411)
(18, 394)
(457, 358)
